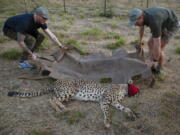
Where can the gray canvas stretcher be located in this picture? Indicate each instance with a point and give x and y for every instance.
(119, 67)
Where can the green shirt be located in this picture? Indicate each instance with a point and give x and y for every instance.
(159, 18)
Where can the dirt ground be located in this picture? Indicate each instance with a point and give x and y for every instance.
(158, 107)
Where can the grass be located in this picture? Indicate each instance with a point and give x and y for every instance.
(69, 18)
(105, 80)
(134, 106)
(71, 117)
(64, 27)
(94, 33)
(161, 77)
(45, 44)
(119, 43)
(177, 49)
(114, 36)
(109, 13)
(52, 80)
(71, 42)
(98, 20)
(177, 36)
(134, 42)
(170, 107)
(11, 54)
(114, 26)
(75, 43)
(4, 39)
(82, 15)
(61, 35)
(38, 132)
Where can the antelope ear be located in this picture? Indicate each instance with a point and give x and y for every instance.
(130, 81)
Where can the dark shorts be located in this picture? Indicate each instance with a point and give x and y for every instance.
(168, 34)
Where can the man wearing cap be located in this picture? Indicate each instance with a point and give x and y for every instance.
(24, 29)
(163, 24)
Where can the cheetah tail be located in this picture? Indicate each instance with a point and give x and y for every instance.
(33, 94)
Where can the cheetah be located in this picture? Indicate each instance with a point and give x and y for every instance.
(105, 94)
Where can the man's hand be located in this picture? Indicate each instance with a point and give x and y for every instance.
(139, 49)
(151, 63)
(34, 57)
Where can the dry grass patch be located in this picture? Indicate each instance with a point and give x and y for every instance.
(69, 18)
(11, 54)
(71, 117)
(94, 33)
(170, 111)
(4, 39)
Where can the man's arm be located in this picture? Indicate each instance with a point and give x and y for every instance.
(53, 37)
(141, 34)
(20, 39)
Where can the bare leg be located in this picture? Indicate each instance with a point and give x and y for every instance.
(150, 45)
(161, 59)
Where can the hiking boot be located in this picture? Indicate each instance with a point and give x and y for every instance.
(156, 70)
(25, 65)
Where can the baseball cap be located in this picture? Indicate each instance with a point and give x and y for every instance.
(134, 14)
(42, 12)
